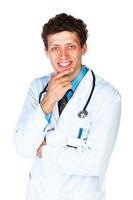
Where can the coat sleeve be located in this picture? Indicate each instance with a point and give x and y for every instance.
(93, 158)
(30, 128)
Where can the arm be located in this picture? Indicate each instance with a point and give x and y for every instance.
(32, 124)
(30, 128)
(93, 158)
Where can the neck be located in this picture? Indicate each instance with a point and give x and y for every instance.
(73, 76)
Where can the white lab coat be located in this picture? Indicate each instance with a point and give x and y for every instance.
(65, 173)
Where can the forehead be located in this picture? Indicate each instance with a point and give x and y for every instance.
(63, 38)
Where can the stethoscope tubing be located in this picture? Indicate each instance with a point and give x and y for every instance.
(41, 93)
(92, 90)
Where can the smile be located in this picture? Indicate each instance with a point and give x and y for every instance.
(64, 64)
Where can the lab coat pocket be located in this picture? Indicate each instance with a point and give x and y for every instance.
(77, 140)
(84, 123)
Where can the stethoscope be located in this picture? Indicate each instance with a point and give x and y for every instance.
(83, 113)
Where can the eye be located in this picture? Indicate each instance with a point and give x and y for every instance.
(55, 49)
(71, 47)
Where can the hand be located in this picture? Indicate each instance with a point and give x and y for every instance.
(59, 84)
(39, 150)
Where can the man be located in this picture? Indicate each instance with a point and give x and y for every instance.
(71, 148)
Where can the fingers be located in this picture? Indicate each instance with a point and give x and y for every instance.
(66, 83)
(39, 152)
(64, 79)
(67, 87)
(63, 73)
(44, 141)
(61, 78)
(58, 86)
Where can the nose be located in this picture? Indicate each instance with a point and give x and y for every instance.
(63, 53)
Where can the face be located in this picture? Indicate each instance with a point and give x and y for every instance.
(64, 51)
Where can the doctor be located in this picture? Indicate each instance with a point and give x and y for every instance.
(71, 151)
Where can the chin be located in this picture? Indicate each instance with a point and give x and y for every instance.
(60, 69)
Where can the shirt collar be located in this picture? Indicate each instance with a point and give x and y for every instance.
(79, 77)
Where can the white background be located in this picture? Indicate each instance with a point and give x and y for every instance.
(110, 47)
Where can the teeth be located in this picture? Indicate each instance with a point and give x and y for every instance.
(64, 64)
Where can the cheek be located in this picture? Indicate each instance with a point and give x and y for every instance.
(78, 56)
(77, 53)
(53, 58)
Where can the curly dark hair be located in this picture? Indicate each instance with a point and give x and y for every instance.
(63, 22)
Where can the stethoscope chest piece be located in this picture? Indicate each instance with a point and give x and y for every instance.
(82, 114)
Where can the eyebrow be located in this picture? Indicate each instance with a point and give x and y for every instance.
(70, 43)
(54, 45)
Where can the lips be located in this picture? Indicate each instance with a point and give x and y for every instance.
(64, 64)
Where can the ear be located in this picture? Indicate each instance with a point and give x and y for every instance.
(84, 49)
(46, 52)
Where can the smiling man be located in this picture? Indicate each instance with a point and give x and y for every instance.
(65, 53)
(69, 121)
